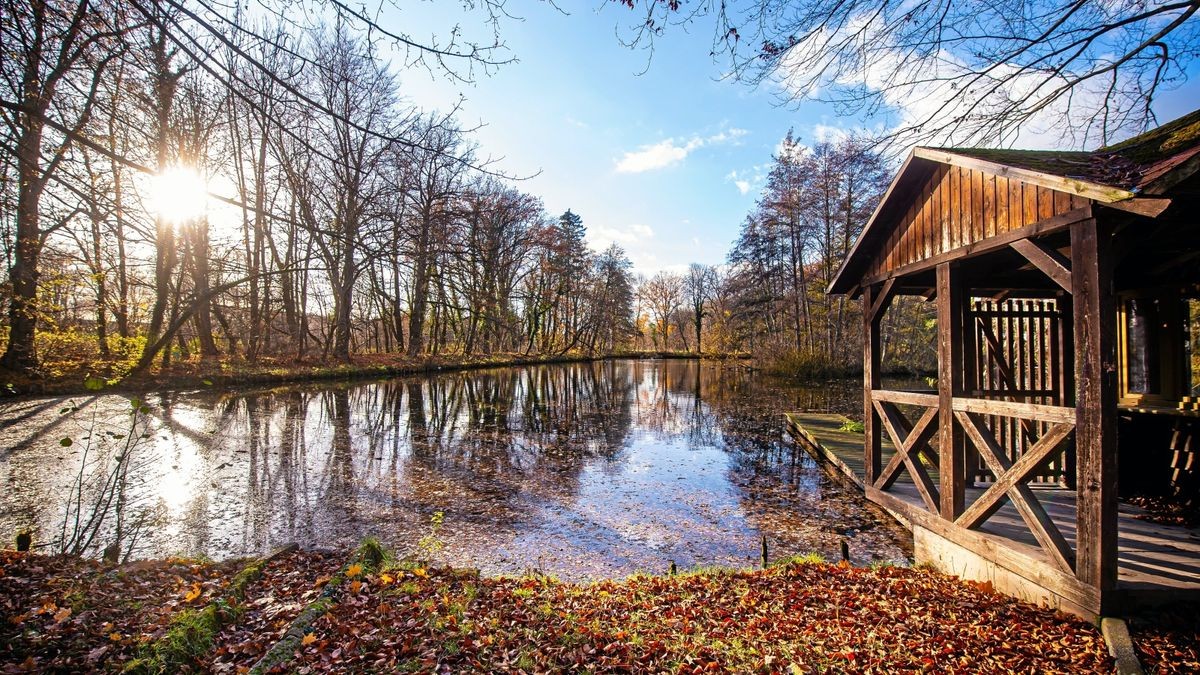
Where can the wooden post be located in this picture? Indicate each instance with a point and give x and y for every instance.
(951, 453)
(1095, 406)
(871, 366)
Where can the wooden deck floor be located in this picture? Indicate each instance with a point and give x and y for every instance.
(1154, 559)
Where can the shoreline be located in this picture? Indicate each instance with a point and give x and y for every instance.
(191, 375)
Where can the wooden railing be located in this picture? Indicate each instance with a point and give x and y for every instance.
(913, 450)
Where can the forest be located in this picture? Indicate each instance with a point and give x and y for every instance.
(182, 184)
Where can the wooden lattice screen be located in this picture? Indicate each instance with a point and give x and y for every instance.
(1020, 350)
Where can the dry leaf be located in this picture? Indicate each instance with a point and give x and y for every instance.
(308, 639)
(354, 570)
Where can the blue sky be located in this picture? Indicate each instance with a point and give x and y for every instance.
(665, 162)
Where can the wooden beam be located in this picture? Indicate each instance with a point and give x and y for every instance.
(1151, 207)
(1010, 480)
(1105, 194)
(915, 437)
(895, 423)
(1042, 227)
(1057, 414)
(1095, 405)
(991, 500)
(884, 299)
(1046, 260)
(921, 398)
(872, 439)
(952, 464)
(1003, 552)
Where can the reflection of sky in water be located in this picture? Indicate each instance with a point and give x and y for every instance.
(581, 470)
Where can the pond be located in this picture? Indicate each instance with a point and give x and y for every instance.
(582, 470)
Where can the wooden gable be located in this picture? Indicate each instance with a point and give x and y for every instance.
(955, 207)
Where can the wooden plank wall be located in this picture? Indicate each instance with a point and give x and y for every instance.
(957, 207)
(1030, 364)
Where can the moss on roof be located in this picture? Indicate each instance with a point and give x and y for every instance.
(1129, 165)
(1161, 143)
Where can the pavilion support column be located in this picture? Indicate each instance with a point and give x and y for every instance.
(1095, 405)
(871, 367)
(951, 451)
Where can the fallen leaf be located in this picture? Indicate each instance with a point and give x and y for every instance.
(308, 639)
(354, 570)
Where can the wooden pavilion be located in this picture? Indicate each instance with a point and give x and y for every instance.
(1066, 286)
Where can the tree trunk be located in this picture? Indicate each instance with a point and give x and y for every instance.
(21, 355)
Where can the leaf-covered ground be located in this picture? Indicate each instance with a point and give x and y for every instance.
(1167, 639)
(67, 614)
(63, 614)
(286, 586)
(800, 617)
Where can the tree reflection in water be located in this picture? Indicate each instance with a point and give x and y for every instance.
(582, 470)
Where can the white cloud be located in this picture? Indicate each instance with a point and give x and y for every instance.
(672, 151)
(824, 133)
(746, 181)
(632, 234)
(924, 90)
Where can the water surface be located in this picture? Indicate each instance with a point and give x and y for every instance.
(579, 470)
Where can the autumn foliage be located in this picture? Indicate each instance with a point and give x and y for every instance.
(65, 614)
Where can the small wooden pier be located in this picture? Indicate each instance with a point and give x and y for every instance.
(1067, 298)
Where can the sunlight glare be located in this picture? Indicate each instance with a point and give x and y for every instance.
(179, 194)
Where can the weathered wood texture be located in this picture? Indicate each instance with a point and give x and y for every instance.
(875, 302)
(958, 207)
(950, 302)
(1005, 537)
(1096, 402)
(1015, 353)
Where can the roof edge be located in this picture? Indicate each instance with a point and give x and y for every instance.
(839, 286)
(1105, 194)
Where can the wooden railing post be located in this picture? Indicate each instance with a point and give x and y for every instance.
(951, 454)
(871, 366)
(1095, 405)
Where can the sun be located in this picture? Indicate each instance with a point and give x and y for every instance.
(179, 194)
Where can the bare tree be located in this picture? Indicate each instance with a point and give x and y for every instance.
(53, 66)
(663, 294)
(962, 71)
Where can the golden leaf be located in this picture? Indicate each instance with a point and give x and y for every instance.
(420, 571)
(386, 579)
(193, 594)
(308, 639)
(355, 586)
(354, 570)
(114, 636)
